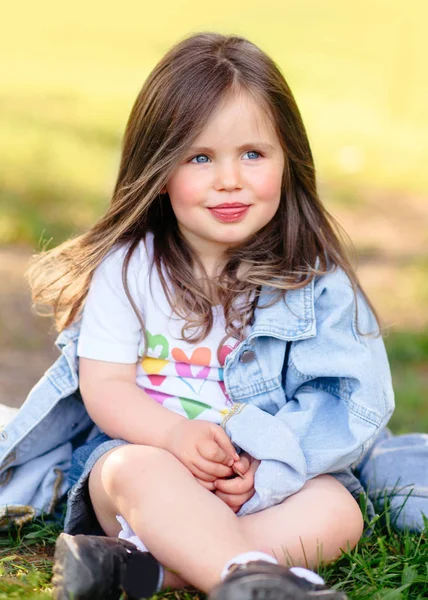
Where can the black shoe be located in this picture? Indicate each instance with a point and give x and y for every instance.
(260, 580)
(90, 567)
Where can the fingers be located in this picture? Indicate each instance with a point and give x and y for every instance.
(223, 440)
(200, 474)
(243, 464)
(235, 485)
(210, 450)
(212, 469)
(235, 501)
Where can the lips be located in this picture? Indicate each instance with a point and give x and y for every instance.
(230, 205)
(229, 212)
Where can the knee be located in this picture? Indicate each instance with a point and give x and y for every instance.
(134, 463)
(345, 523)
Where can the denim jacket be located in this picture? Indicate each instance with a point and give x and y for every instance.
(310, 394)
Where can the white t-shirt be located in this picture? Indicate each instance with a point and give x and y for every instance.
(186, 378)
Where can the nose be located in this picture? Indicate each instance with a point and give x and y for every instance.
(228, 176)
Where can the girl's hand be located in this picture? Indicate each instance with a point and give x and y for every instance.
(242, 465)
(204, 448)
(235, 492)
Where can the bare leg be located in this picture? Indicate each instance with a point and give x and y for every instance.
(190, 530)
(109, 523)
(309, 527)
(186, 527)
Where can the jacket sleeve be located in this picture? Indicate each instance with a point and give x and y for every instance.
(338, 394)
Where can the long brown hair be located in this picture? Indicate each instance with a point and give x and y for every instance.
(173, 106)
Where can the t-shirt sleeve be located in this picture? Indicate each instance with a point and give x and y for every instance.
(110, 329)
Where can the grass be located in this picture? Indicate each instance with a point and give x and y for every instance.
(387, 566)
(26, 561)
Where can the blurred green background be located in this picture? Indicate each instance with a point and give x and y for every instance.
(70, 74)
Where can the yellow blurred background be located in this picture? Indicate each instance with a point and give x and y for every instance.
(71, 72)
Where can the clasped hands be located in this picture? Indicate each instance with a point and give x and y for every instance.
(206, 450)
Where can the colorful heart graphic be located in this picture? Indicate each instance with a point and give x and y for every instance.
(156, 379)
(153, 366)
(160, 397)
(224, 351)
(193, 408)
(200, 357)
(158, 344)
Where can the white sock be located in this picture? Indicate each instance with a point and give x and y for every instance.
(128, 534)
(307, 574)
(245, 557)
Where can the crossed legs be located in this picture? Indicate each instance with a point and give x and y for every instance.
(192, 532)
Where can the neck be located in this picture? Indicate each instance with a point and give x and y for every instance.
(210, 254)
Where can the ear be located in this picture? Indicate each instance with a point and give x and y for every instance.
(163, 190)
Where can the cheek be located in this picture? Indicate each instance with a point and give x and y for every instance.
(269, 186)
(184, 191)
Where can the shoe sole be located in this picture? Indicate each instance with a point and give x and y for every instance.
(71, 580)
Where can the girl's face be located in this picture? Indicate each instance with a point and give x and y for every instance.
(229, 185)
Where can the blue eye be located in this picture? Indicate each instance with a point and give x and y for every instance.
(253, 152)
(197, 162)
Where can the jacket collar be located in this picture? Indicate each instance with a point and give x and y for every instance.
(69, 334)
(292, 318)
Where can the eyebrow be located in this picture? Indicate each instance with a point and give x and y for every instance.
(262, 145)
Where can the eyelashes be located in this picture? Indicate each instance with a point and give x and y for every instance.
(191, 160)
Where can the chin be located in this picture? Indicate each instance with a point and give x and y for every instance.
(232, 239)
(241, 237)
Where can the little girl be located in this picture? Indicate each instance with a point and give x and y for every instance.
(226, 351)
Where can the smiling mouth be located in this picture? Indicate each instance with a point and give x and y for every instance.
(229, 213)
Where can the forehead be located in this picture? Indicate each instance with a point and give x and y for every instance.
(238, 119)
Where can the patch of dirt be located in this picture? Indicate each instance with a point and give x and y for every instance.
(26, 345)
(388, 225)
(390, 232)
(36, 556)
